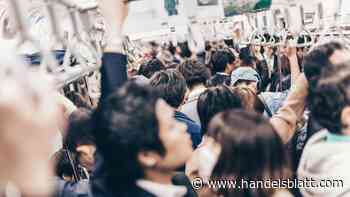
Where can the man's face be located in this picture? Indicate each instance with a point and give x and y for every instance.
(173, 134)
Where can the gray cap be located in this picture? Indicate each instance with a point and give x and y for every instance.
(244, 73)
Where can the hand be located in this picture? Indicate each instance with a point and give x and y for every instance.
(28, 129)
(291, 52)
(115, 13)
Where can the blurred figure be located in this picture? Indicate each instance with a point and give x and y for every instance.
(80, 140)
(211, 102)
(29, 120)
(172, 87)
(223, 63)
(257, 149)
(330, 145)
(196, 76)
(142, 129)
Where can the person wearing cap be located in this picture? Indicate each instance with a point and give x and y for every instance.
(245, 76)
(287, 109)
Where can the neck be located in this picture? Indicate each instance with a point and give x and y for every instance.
(158, 176)
(198, 87)
(227, 71)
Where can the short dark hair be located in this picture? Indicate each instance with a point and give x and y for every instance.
(332, 94)
(62, 165)
(220, 59)
(258, 151)
(194, 72)
(78, 99)
(185, 50)
(171, 86)
(248, 61)
(126, 124)
(79, 129)
(317, 60)
(149, 68)
(215, 100)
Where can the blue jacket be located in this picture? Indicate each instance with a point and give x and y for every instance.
(192, 128)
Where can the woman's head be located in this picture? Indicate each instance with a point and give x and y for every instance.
(215, 100)
(332, 93)
(250, 150)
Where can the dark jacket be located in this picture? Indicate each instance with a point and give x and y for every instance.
(113, 73)
(192, 128)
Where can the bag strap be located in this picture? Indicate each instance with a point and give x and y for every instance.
(267, 109)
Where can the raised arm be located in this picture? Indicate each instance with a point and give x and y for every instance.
(294, 65)
(114, 62)
(286, 119)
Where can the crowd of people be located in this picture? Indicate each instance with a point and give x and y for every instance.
(228, 112)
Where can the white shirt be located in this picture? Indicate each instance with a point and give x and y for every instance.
(162, 190)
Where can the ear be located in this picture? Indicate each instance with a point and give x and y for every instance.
(148, 159)
(345, 118)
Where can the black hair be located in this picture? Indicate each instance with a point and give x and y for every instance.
(258, 151)
(208, 46)
(215, 100)
(149, 68)
(78, 99)
(244, 53)
(248, 61)
(317, 60)
(62, 165)
(229, 42)
(185, 50)
(220, 59)
(332, 94)
(79, 129)
(194, 73)
(126, 124)
(172, 48)
(171, 86)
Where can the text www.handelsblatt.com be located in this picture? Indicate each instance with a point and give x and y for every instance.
(198, 183)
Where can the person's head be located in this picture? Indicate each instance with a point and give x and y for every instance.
(215, 100)
(63, 167)
(150, 67)
(194, 73)
(248, 61)
(330, 103)
(321, 57)
(80, 139)
(184, 50)
(250, 149)
(246, 58)
(171, 86)
(223, 61)
(138, 137)
(250, 99)
(247, 77)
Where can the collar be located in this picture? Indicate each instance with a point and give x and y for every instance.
(337, 138)
(195, 94)
(158, 189)
(220, 73)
